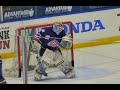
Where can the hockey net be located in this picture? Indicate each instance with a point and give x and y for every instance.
(29, 32)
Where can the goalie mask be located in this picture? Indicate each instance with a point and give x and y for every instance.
(57, 27)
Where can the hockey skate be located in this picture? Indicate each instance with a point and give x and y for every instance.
(70, 74)
(37, 75)
(39, 71)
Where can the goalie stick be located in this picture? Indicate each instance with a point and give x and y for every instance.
(38, 59)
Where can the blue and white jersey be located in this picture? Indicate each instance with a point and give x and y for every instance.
(49, 39)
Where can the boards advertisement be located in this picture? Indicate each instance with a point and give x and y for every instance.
(18, 13)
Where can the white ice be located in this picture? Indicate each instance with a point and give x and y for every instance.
(93, 65)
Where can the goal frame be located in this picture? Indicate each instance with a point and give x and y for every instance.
(38, 26)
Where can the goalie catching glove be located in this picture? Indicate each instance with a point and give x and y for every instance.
(35, 47)
(66, 42)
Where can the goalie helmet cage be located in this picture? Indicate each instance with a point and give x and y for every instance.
(33, 27)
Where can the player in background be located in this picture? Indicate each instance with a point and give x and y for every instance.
(2, 80)
(48, 41)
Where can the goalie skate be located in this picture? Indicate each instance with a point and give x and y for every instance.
(37, 75)
(39, 70)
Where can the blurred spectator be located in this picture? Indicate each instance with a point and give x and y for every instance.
(2, 80)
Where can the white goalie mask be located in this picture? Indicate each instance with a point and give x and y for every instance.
(57, 27)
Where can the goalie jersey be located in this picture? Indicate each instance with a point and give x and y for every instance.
(48, 39)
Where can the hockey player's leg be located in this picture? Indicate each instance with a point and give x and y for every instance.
(37, 73)
(2, 80)
(43, 65)
(39, 70)
(64, 65)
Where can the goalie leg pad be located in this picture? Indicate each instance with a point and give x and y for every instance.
(39, 70)
(64, 66)
(37, 73)
(48, 56)
(45, 61)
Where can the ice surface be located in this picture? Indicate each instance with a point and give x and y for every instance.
(93, 65)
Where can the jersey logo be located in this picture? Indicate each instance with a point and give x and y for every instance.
(43, 30)
(53, 43)
(47, 36)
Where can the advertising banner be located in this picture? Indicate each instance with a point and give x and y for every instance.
(48, 10)
(86, 8)
(18, 13)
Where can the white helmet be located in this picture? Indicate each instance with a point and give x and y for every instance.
(57, 27)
